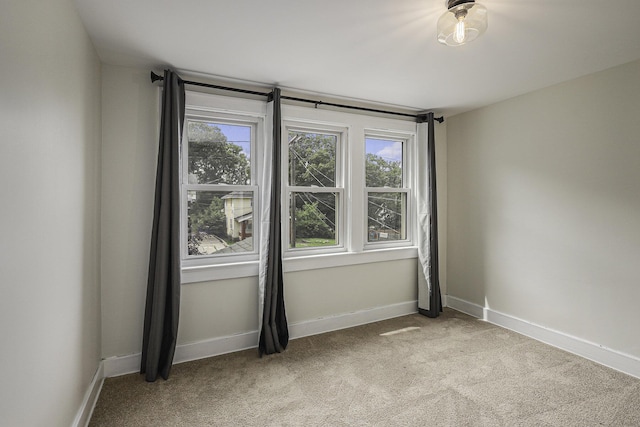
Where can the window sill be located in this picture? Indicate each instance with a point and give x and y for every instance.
(312, 262)
(212, 272)
(300, 263)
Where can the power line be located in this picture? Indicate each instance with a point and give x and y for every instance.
(307, 168)
(383, 224)
(305, 164)
(307, 196)
(385, 208)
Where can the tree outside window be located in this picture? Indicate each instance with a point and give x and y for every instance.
(219, 218)
(386, 192)
(314, 199)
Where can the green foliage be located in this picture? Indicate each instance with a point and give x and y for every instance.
(312, 162)
(213, 160)
(312, 159)
(312, 242)
(193, 240)
(382, 173)
(384, 209)
(207, 215)
(311, 222)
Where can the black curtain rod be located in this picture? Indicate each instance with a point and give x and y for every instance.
(421, 118)
(155, 77)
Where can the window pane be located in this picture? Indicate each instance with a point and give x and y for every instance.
(219, 222)
(312, 159)
(219, 153)
(383, 163)
(387, 216)
(313, 220)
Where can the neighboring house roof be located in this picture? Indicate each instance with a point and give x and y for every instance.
(242, 246)
(244, 217)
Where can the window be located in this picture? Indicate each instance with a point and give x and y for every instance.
(386, 190)
(346, 187)
(314, 189)
(219, 187)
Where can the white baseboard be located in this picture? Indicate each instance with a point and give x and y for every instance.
(90, 398)
(215, 347)
(605, 356)
(121, 365)
(129, 364)
(465, 307)
(349, 320)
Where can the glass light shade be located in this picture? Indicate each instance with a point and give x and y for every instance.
(462, 23)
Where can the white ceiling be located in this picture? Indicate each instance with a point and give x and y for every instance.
(376, 50)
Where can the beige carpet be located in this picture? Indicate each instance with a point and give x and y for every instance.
(450, 371)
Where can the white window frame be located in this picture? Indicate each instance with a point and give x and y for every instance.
(352, 248)
(227, 110)
(341, 133)
(408, 187)
(356, 126)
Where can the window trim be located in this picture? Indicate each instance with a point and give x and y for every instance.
(237, 270)
(225, 110)
(341, 133)
(408, 139)
(355, 126)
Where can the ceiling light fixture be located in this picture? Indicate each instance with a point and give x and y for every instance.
(463, 22)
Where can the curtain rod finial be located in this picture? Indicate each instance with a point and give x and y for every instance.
(155, 77)
(422, 118)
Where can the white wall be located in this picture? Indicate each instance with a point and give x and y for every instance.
(228, 307)
(544, 207)
(129, 155)
(209, 309)
(49, 214)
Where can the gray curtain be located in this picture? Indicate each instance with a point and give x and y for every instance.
(274, 332)
(429, 298)
(163, 286)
